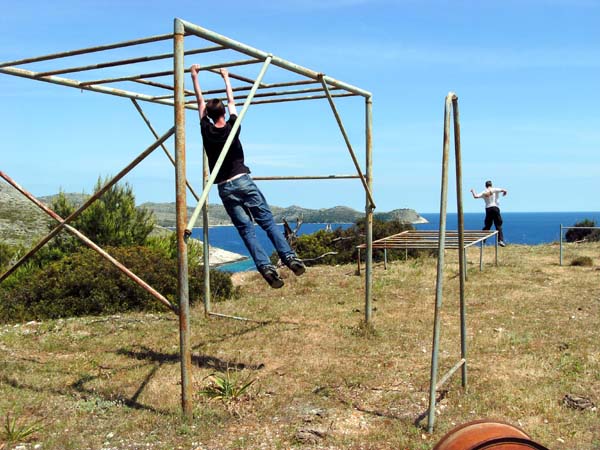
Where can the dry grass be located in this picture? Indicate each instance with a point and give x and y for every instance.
(323, 381)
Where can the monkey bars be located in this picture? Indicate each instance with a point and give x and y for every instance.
(166, 86)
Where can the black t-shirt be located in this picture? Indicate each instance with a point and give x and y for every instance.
(214, 139)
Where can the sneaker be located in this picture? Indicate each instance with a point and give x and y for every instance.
(270, 274)
(295, 264)
(501, 244)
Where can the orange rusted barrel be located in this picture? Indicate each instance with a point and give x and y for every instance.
(486, 434)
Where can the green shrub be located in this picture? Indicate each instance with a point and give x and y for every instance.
(575, 235)
(112, 220)
(582, 261)
(84, 283)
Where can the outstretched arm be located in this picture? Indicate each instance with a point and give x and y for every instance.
(199, 98)
(230, 100)
(475, 194)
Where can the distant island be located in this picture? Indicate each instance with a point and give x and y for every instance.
(165, 214)
(21, 221)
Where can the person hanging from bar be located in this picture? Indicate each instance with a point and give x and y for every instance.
(242, 199)
(492, 208)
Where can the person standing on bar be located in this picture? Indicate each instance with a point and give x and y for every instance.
(492, 209)
(242, 199)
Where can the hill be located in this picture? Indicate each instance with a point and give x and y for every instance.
(165, 214)
(320, 379)
(21, 222)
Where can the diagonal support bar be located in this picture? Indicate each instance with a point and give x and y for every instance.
(165, 149)
(91, 200)
(347, 140)
(91, 244)
(226, 146)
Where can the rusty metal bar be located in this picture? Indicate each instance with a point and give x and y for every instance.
(440, 269)
(18, 62)
(161, 86)
(235, 89)
(185, 348)
(165, 73)
(348, 143)
(91, 244)
(263, 86)
(205, 255)
(75, 84)
(305, 177)
(165, 149)
(226, 146)
(295, 99)
(242, 319)
(89, 201)
(461, 236)
(369, 203)
(277, 61)
(123, 62)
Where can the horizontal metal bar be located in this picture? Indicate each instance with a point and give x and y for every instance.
(75, 84)
(446, 377)
(295, 99)
(165, 73)
(124, 62)
(277, 61)
(160, 37)
(243, 319)
(305, 177)
(273, 94)
(581, 228)
(263, 86)
(223, 91)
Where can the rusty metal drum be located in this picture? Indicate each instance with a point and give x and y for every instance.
(486, 434)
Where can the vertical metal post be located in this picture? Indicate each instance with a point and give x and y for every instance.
(206, 247)
(496, 243)
(464, 275)
(181, 211)
(358, 262)
(385, 258)
(369, 208)
(561, 243)
(481, 257)
(461, 239)
(440, 270)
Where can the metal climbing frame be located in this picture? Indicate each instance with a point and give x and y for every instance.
(434, 384)
(429, 239)
(308, 85)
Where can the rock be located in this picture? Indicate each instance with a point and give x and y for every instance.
(578, 402)
(310, 435)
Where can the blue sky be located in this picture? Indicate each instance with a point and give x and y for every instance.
(527, 74)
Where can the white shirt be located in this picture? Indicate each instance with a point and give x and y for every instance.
(491, 196)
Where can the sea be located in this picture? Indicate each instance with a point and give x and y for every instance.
(531, 228)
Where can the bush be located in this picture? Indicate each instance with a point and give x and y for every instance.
(84, 283)
(575, 235)
(582, 261)
(344, 242)
(111, 220)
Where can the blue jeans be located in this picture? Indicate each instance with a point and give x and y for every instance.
(243, 201)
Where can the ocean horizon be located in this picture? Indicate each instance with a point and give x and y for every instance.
(529, 228)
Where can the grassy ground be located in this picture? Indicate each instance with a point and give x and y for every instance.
(322, 380)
